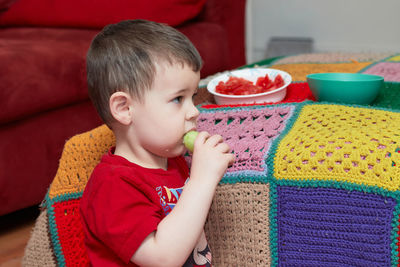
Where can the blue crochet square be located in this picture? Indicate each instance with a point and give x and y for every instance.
(333, 227)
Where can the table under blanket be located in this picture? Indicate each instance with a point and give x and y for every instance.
(313, 183)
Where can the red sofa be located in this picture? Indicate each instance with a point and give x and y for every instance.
(43, 96)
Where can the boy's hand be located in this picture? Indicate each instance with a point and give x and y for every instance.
(211, 157)
(185, 223)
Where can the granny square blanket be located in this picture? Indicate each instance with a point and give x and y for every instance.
(331, 183)
(313, 183)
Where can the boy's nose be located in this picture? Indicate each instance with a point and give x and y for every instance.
(193, 112)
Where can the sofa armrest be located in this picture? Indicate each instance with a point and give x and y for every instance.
(230, 14)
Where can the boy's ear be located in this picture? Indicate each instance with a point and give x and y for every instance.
(121, 107)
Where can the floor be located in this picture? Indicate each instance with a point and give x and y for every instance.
(15, 229)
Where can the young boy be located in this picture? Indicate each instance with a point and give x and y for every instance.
(142, 77)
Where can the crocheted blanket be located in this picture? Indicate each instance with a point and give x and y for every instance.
(313, 183)
(326, 184)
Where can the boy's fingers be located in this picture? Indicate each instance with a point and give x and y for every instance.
(231, 158)
(224, 147)
(215, 140)
(202, 137)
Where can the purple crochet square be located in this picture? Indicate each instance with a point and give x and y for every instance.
(249, 133)
(389, 70)
(333, 227)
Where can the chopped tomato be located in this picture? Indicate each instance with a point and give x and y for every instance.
(279, 81)
(241, 86)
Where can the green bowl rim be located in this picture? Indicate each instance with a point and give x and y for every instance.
(315, 77)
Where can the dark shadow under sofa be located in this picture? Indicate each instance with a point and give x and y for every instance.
(43, 93)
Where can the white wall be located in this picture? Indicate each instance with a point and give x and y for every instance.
(334, 25)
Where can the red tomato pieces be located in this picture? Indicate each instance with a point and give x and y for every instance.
(241, 86)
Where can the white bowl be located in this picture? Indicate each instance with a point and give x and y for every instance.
(251, 74)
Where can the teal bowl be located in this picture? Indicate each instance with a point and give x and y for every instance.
(348, 88)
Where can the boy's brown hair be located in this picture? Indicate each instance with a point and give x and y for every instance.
(122, 57)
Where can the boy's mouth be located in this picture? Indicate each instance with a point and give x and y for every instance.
(190, 130)
(189, 138)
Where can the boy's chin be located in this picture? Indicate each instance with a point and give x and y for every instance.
(182, 151)
(175, 152)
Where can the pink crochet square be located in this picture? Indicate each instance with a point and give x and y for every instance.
(249, 132)
(389, 70)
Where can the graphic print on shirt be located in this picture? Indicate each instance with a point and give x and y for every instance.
(168, 197)
(201, 255)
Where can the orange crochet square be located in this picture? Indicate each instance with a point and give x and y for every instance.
(300, 71)
(80, 155)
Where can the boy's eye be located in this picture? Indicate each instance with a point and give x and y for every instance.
(177, 99)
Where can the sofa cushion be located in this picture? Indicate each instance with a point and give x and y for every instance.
(5, 4)
(74, 13)
(45, 69)
(212, 42)
(31, 149)
(46, 66)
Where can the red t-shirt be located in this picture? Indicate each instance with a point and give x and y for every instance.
(123, 203)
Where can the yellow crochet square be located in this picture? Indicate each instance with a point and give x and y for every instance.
(395, 58)
(343, 144)
(300, 71)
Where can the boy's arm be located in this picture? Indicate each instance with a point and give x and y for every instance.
(178, 233)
